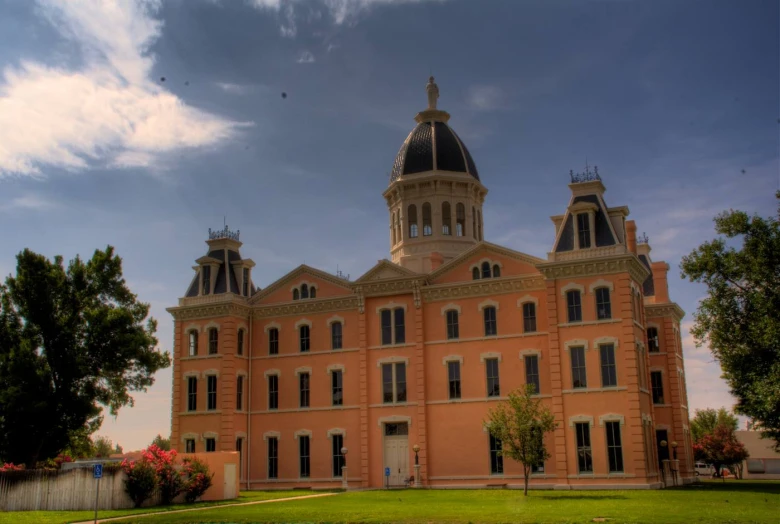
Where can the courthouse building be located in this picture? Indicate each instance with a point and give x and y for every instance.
(412, 354)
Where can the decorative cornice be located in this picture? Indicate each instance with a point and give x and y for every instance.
(210, 311)
(300, 307)
(670, 309)
(599, 266)
(479, 288)
(389, 287)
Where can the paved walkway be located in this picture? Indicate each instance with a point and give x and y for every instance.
(205, 508)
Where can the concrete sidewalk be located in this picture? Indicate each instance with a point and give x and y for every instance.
(205, 508)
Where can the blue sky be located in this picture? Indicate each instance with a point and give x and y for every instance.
(676, 102)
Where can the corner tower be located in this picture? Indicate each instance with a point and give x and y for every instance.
(435, 196)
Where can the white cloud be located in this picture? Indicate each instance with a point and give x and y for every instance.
(109, 110)
(234, 89)
(305, 58)
(31, 202)
(485, 98)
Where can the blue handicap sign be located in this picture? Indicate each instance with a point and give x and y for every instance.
(97, 471)
(387, 472)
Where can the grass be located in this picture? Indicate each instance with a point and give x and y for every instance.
(708, 502)
(63, 517)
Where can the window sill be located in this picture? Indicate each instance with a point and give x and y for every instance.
(392, 346)
(591, 322)
(662, 405)
(651, 353)
(298, 354)
(195, 413)
(201, 357)
(303, 410)
(594, 390)
(478, 339)
(392, 405)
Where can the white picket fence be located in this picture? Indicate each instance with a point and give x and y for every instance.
(64, 490)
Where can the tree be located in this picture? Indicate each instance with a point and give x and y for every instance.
(103, 447)
(740, 316)
(721, 448)
(520, 422)
(705, 421)
(162, 443)
(72, 340)
(118, 450)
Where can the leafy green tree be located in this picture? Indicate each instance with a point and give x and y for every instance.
(103, 447)
(162, 443)
(520, 422)
(740, 316)
(705, 421)
(72, 340)
(118, 450)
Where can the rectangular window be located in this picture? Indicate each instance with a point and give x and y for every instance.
(245, 276)
(273, 341)
(240, 392)
(400, 328)
(192, 394)
(304, 386)
(206, 280)
(608, 369)
(335, 335)
(240, 449)
(273, 392)
(496, 459)
(394, 383)
(452, 325)
(211, 392)
(240, 342)
(189, 445)
(213, 341)
(583, 230)
(529, 317)
(537, 468)
(652, 340)
(337, 385)
(490, 321)
(614, 447)
(657, 383)
(273, 457)
(491, 370)
(305, 340)
(387, 327)
(603, 306)
(532, 372)
(584, 454)
(338, 458)
(574, 306)
(578, 376)
(305, 462)
(193, 343)
(453, 370)
(211, 444)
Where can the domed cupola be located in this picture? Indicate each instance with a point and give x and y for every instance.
(435, 195)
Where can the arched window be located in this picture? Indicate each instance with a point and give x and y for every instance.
(446, 219)
(479, 223)
(460, 220)
(305, 340)
(397, 226)
(496, 271)
(603, 305)
(392, 229)
(475, 273)
(489, 314)
(312, 292)
(427, 227)
(295, 294)
(213, 341)
(485, 269)
(304, 291)
(473, 222)
(193, 343)
(574, 306)
(240, 342)
(412, 221)
(273, 341)
(453, 331)
(335, 335)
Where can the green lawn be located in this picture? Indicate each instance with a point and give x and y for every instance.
(63, 517)
(716, 502)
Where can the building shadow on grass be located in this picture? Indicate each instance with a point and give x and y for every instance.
(765, 486)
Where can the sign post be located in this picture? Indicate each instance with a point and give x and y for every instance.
(387, 477)
(97, 472)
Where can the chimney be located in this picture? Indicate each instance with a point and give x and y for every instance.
(436, 260)
(631, 236)
(659, 282)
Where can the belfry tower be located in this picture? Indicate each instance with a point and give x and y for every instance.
(435, 196)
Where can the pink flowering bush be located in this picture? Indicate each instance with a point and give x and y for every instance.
(141, 479)
(8, 466)
(170, 480)
(198, 479)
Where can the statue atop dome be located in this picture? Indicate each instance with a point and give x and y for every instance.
(433, 93)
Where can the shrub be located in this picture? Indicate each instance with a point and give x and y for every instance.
(8, 466)
(169, 478)
(198, 479)
(141, 480)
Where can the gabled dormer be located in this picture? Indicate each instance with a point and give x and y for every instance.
(222, 270)
(588, 228)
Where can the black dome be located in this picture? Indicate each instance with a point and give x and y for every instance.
(416, 154)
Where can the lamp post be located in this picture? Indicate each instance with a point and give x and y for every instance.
(416, 450)
(674, 450)
(675, 464)
(664, 462)
(344, 483)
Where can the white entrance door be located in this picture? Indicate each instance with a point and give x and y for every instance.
(229, 491)
(397, 453)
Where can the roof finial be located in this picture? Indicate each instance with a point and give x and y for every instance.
(433, 93)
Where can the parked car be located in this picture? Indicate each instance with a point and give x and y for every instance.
(703, 469)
